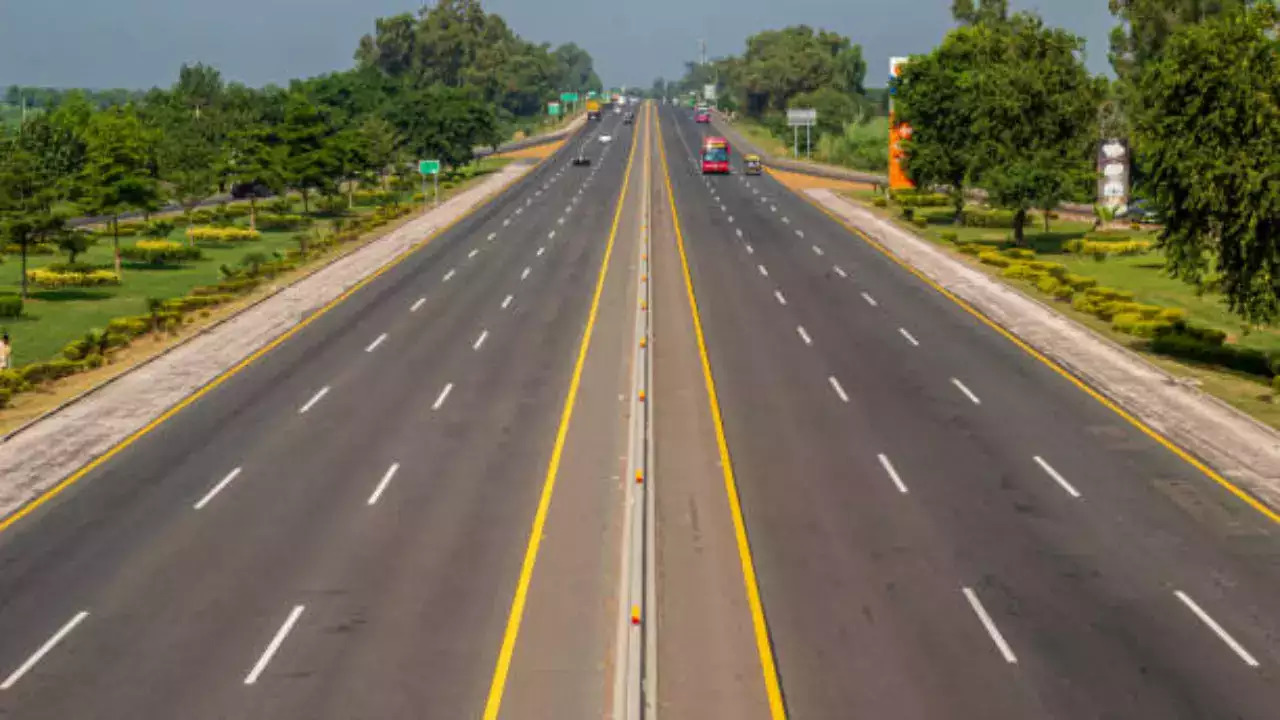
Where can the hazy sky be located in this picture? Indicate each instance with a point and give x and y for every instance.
(140, 43)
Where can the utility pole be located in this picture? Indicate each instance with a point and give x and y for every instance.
(702, 50)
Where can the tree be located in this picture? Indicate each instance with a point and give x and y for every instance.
(74, 242)
(835, 108)
(189, 163)
(443, 123)
(1034, 117)
(983, 12)
(380, 145)
(309, 163)
(26, 201)
(1207, 125)
(1146, 26)
(936, 96)
(256, 158)
(117, 170)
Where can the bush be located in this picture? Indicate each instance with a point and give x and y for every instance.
(49, 279)
(1020, 254)
(1275, 385)
(1050, 285)
(977, 218)
(1136, 324)
(1103, 248)
(1078, 283)
(159, 228)
(1022, 271)
(951, 237)
(880, 202)
(282, 222)
(129, 327)
(972, 248)
(366, 198)
(915, 198)
(1189, 347)
(992, 257)
(33, 249)
(197, 302)
(10, 305)
(201, 217)
(920, 222)
(37, 373)
(908, 214)
(222, 234)
(160, 252)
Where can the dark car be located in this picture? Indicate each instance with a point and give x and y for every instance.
(1140, 211)
(240, 191)
(629, 118)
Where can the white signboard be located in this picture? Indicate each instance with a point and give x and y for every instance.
(1113, 174)
(709, 92)
(801, 117)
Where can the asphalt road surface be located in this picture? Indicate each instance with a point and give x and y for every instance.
(888, 510)
(337, 531)
(943, 526)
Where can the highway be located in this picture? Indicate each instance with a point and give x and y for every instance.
(942, 525)
(338, 530)
(869, 502)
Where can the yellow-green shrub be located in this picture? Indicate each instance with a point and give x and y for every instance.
(222, 234)
(1085, 246)
(1050, 285)
(1020, 254)
(1022, 271)
(992, 257)
(1078, 283)
(160, 252)
(1136, 324)
(51, 279)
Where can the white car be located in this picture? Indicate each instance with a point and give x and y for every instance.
(606, 138)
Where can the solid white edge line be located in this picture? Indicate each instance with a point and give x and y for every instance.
(382, 484)
(314, 399)
(911, 339)
(480, 340)
(968, 393)
(444, 394)
(1054, 474)
(417, 304)
(274, 645)
(1216, 628)
(781, 299)
(990, 625)
(870, 300)
(835, 385)
(44, 649)
(893, 474)
(804, 335)
(216, 489)
(376, 342)
(507, 301)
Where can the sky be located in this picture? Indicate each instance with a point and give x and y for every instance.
(141, 43)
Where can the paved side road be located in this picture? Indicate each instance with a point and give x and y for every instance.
(1242, 449)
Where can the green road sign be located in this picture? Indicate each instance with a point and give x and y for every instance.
(569, 97)
(553, 109)
(429, 167)
(592, 94)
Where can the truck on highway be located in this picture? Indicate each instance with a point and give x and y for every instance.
(593, 109)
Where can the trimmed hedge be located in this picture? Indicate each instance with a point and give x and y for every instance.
(275, 221)
(914, 198)
(994, 258)
(33, 249)
(10, 305)
(1084, 246)
(1020, 253)
(1178, 342)
(160, 252)
(50, 279)
(976, 218)
(222, 234)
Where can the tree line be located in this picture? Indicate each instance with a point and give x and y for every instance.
(432, 85)
(1005, 103)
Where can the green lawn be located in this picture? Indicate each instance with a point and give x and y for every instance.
(53, 318)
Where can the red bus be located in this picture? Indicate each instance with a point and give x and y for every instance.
(715, 155)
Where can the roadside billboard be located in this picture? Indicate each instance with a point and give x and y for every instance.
(1113, 174)
(898, 132)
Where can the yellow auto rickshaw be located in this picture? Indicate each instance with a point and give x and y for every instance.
(751, 164)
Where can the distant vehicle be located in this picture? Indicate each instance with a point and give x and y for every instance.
(715, 155)
(751, 164)
(593, 109)
(703, 116)
(629, 118)
(606, 138)
(241, 191)
(1140, 211)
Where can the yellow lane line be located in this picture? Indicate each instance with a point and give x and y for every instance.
(494, 703)
(1106, 402)
(74, 477)
(773, 689)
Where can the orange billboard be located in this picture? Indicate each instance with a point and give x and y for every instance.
(898, 132)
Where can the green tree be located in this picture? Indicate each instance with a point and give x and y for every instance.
(74, 242)
(189, 162)
(835, 109)
(256, 158)
(1034, 117)
(1146, 26)
(117, 171)
(380, 146)
(26, 201)
(1208, 129)
(309, 162)
(982, 12)
(936, 96)
(443, 123)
